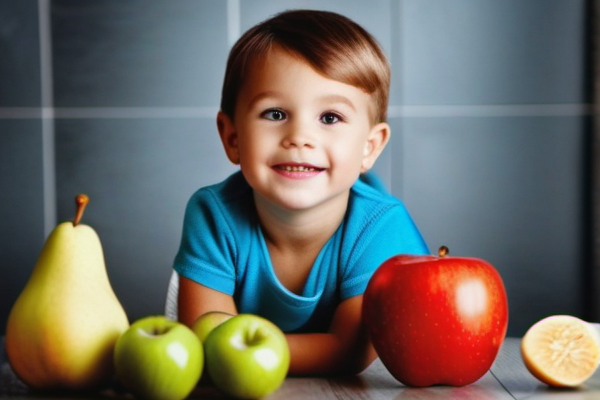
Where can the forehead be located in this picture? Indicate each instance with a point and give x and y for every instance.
(283, 72)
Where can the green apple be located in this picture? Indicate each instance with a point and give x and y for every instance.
(207, 322)
(247, 356)
(159, 359)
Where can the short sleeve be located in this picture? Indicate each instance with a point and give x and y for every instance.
(207, 253)
(388, 233)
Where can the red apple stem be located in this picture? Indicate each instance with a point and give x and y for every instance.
(443, 251)
(81, 201)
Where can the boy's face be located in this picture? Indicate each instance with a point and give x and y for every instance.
(301, 139)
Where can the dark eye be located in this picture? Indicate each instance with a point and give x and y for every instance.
(274, 115)
(330, 118)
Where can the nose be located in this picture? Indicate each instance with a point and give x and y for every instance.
(298, 135)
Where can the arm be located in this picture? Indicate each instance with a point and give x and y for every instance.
(345, 349)
(195, 299)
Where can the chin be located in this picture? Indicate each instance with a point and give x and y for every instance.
(300, 196)
(310, 201)
(296, 205)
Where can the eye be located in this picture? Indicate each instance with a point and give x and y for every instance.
(274, 114)
(330, 118)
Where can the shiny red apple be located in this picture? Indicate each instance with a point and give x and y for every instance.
(436, 320)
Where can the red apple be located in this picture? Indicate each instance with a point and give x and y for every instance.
(436, 320)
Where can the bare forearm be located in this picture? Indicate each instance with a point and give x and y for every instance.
(327, 354)
(195, 300)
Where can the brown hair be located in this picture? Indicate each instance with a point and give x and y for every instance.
(332, 44)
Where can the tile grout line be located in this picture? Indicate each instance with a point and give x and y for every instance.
(233, 21)
(47, 120)
(108, 112)
(491, 110)
(398, 185)
(404, 111)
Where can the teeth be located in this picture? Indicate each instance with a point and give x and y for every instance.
(297, 168)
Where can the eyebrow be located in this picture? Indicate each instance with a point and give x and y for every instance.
(262, 95)
(336, 98)
(329, 98)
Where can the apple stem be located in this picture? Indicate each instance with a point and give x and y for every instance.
(443, 251)
(81, 201)
(158, 331)
(254, 337)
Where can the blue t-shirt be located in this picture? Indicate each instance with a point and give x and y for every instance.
(223, 248)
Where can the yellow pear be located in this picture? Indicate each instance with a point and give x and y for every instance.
(63, 327)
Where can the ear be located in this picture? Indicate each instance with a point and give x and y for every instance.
(228, 136)
(376, 142)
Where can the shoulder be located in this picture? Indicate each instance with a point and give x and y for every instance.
(214, 226)
(229, 202)
(227, 193)
(368, 203)
(373, 214)
(377, 227)
(231, 189)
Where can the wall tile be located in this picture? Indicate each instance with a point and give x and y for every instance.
(491, 52)
(21, 207)
(509, 190)
(139, 175)
(19, 54)
(137, 53)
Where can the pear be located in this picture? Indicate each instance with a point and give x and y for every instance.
(62, 329)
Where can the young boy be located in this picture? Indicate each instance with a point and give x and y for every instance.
(296, 235)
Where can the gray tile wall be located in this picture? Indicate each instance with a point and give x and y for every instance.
(487, 110)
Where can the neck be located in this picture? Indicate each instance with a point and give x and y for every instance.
(300, 229)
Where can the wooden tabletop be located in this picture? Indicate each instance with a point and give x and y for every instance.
(508, 379)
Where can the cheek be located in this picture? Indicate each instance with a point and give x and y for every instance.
(254, 147)
(353, 150)
(348, 157)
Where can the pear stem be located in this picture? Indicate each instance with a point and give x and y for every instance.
(443, 251)
(81, 201)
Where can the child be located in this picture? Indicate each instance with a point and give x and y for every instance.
(296, 235)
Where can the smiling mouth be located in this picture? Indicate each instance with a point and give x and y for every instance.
(298, 171)
(298, 168)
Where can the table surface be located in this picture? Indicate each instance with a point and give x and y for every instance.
(507, 379)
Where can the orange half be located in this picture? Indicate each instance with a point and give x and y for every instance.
(561, 350)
